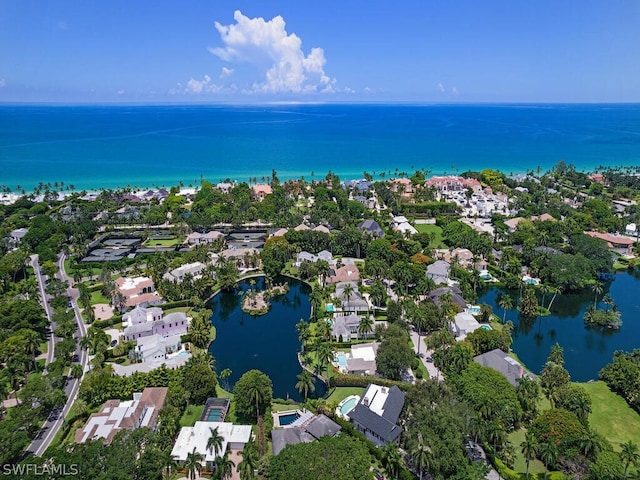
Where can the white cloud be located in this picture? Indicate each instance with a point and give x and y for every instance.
(440, 87)
(267, 46)
(3, 83)
(120, 92)
(196, 87)
(454, 91)
(226, 72)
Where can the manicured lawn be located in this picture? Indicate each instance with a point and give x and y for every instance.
(340, 393)
(437, 234)
(191, 415)
(279, 407)
(611, 416)
(520, 465)
(98, 297)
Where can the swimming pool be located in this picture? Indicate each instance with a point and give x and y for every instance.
(486, 327)
(341, 358)
(215, 410)
(348, 404)
(474, 309)
(288, 418)
(330, 308)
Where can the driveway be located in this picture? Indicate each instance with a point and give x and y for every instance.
(420, 347)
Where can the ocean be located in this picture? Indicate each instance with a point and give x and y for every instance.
(92, 147)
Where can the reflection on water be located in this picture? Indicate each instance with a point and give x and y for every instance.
(268, 342)
(586, 348)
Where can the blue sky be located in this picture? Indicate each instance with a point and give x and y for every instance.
(190, 51)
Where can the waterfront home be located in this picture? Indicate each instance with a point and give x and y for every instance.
(309, 430)
(439, 272)
(372, 228)
(616, 243)
(177, 275)
(155, 348)
(346, 273)
(242, 257)
(141, 315)
(360, 360)
(360, 185)
(450, 183)
(463, 324)
(345, 328)
(116, 415)
(190, 439)
(502, 363)
(305, 256)
(456, 296)
(402, 186)
(355, 302)
(137, 291)
(259, 191)
(176, 323)
(376, 414)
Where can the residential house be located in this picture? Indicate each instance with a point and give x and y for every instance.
(346, 273)
(456, 296)
(190, 439)
(360, 186)
(155, 348)
(355, 302)
(402, 225)
(116, 415)
(321, 228)
(616, 243)
(376, 414)
(302, 227)
(402, 186)
(137, 291)
(197, 238)
(502, 363)
(439, 272)
(311, 430)
(259, 191)
(372, 228)
(450, 183)
(177, 275)
(463, 324)
(243, 257)
(346, 328)
(280, 232)
(630, 229)
(142, 322)
(16, 236)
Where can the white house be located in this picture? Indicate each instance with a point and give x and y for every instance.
(177, 274)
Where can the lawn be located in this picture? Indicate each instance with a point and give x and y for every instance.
(191, 415)
(98, 297)
(611, 416)
(437, 234)
(163, 242)
(520, 465)
(340, 393)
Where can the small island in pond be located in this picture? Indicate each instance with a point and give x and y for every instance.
(258, 302)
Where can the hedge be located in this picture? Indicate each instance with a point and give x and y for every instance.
(347, 380)
(110, 322)
(507, 474)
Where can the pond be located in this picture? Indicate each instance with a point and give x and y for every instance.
(267, 342)
(586, 349)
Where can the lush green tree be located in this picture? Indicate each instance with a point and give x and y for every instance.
(506, 303)
(608, 466)
(529, 303)
(253, 394)
(199, 383)
(227, 274)
(365, 326)
(249, 461)
(486, 340)
(559, 427)
(224, 466)
(305, 383)
(391, 459)
(629, 455)
(215, 441)
(623, 376)
(529, 449)
(193, 464)
(275, 254)
(576, 399)
(394, 354)
(548, 453)
(339, 458)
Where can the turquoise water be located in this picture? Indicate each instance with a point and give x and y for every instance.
(330, 308)
(110, 146)
(348, 405)
(486, 327)
(215, 415)
(342, 359)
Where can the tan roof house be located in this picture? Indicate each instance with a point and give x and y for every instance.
(116, 415)
(346, 273)
(137, 291)
(617, 243)
(260, 191)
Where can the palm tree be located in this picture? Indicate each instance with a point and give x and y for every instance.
(256, 392)
(325, 355)
(505, 303)
(421, 456)
(305, 383)
(215, 442)
(193, 464)
(224, 466)
(365, 326)
(548, 453)
(629, 455)
(249, 461)
(224, 375)
(529, 449)
(347, 291)
(391, 459)
(597, 290)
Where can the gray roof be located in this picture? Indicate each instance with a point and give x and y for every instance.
(439, 269)
(502, 363)
(383, 426)
(456, 296)
(372, 227)
(322, 425)
(288, 436)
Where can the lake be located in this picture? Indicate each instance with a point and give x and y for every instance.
(586, 349)
(267, 342)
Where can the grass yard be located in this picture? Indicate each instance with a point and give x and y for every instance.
(611, 416)
(280, 407)
(163, 242)
(191, 415)
(340, 393)
(520, 465)
(98, 297)
(436, 231)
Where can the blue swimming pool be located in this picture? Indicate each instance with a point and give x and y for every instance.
(288, 419)
(330, 308)
(347, 405)
(486, 327)
(341, 358)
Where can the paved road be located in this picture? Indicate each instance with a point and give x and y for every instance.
(420, 348)
(55, 420)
